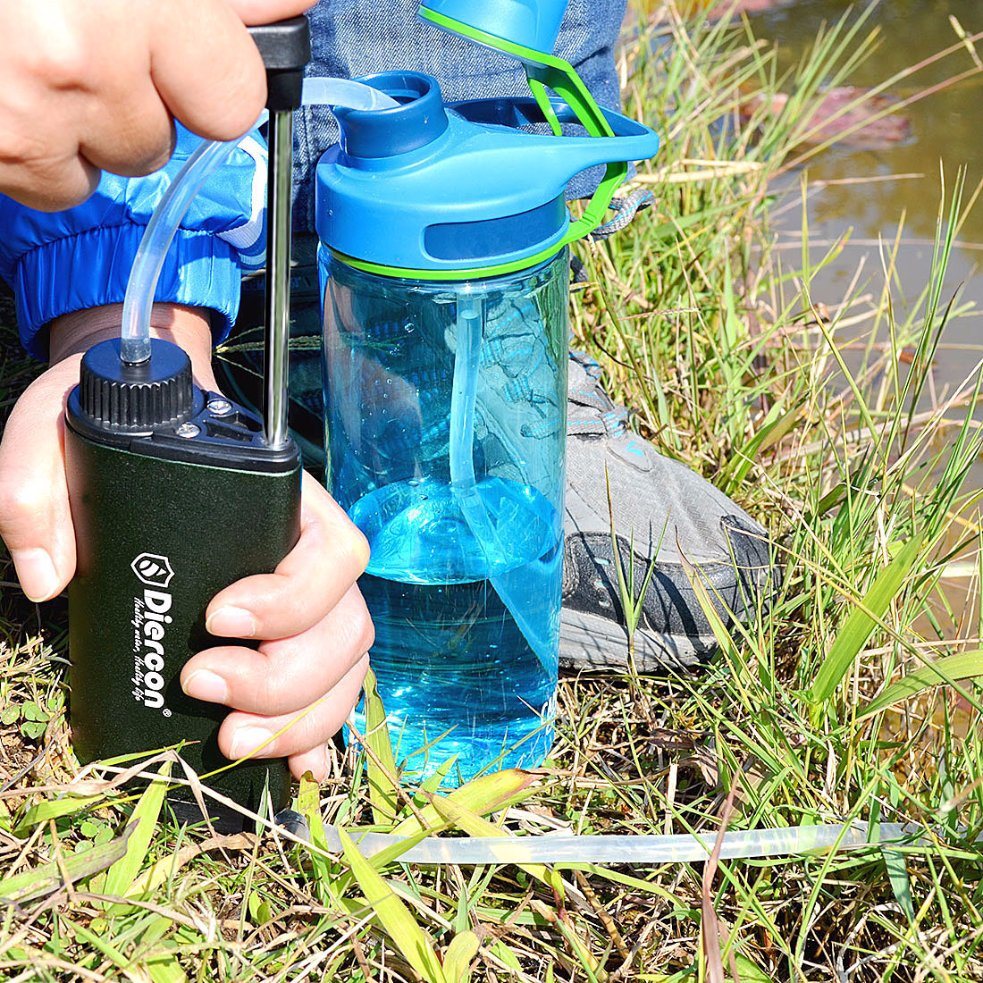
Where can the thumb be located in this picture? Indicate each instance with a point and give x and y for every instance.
(35, 518)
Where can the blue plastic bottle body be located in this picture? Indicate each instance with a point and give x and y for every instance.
(445, 409)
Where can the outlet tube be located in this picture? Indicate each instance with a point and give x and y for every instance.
(166, 220)
(464, 394)
(169, 214)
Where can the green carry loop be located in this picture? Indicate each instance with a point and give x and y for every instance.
(546, 71)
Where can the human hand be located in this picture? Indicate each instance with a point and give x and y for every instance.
(313, 625)
(308, 671)
(93, 86)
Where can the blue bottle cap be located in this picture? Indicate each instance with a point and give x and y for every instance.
(419, 120)
(459, 191)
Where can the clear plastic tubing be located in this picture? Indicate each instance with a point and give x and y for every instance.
(156, 241)
(553, 848)
(346, 94)
(169, 214)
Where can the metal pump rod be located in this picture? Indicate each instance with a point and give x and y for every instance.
(286, 49)
(278, 241)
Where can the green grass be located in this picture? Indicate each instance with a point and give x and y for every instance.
(855, 696)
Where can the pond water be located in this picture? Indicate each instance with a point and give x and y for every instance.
(946, 126)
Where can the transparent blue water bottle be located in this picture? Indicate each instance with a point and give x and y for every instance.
(444, 267)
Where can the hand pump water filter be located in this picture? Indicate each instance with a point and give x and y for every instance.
(443, 254)
(177, 493)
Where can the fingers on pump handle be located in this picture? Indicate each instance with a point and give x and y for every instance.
(211, 77)
(229, 87)
(50, 186)
(269, 11)
(137, 138)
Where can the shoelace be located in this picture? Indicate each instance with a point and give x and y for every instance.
(625, 209)
(590, 395)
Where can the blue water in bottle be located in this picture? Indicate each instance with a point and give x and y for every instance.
(446, 424)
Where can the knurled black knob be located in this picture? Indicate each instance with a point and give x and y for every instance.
(136, 398)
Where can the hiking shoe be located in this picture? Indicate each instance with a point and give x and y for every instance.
(665, 517)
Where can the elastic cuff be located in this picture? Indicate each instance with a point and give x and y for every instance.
(92, 269)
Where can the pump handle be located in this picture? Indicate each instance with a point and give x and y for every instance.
(286, 49)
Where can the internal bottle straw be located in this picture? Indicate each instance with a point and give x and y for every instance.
(470, 329)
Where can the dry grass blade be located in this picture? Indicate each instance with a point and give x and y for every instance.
(157, 874)
(711, 928)
(57, 874)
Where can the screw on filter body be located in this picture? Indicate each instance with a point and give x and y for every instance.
(219, 407)
(124, 398)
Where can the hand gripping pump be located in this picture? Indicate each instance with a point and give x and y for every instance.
(177, 493)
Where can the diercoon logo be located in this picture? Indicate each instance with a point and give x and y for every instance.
(153, 570)
(150, 620)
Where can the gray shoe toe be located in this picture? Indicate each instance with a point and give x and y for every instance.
(664, 514)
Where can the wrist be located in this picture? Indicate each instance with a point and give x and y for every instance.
(187, 327)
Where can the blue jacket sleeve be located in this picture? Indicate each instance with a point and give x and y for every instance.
(67, 261)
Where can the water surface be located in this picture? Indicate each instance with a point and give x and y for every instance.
(903, 179)
(946, 128)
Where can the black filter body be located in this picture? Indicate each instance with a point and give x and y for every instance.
(175, 495)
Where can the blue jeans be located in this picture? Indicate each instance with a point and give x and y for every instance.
(361, 37)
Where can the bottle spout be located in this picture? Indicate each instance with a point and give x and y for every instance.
(407, 114)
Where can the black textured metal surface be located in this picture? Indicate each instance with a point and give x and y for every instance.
(232, 438)
(135, 398)
(157, 539)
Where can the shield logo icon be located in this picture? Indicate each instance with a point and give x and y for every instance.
(153, 570)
